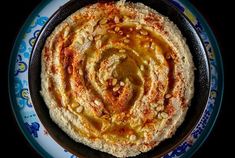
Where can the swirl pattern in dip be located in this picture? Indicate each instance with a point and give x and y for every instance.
(117, 77)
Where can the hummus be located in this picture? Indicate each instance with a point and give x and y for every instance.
(117, 77)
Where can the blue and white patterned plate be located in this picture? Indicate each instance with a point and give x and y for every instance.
(34, 130)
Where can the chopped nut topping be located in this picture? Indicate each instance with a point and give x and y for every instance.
(145, 134)
(116, 19)
(90, 37)
(122, 83)
(79, 109)
(116, 28)
(97, 102)
(142, 67)
(168, 56)
(70, 69)
(160, 107)
(159, 116)
(80, 72)
(116, 88)
(126, 41)
(127, 35)
(110, 31)
(66, 32)
(133, 137)
(131, 29)
(164, 115)
(143, 32)
(120, 32)
(98, 44)
(103, 21)
(152, 45)
(122, 50)
(167, 96)
(114, 81)
(74, 105)
(145, 62)
(153, 105)
(147, 45)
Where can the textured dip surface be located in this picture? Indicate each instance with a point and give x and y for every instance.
(117, 77)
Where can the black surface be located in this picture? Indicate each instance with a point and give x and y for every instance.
(219, 17)
(201, 80)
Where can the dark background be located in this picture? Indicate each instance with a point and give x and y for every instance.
(220, 16)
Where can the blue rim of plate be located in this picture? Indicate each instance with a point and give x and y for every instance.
(30, 124)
